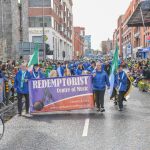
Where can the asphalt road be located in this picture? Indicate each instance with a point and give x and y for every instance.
(84, 129)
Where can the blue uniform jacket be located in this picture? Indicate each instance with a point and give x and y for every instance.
(122, 81)
(38, 74)
(60, 71)
(100, 80)
(90, 69)
(17, 84)
(78, 72)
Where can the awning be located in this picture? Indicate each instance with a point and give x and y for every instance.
(136, 18)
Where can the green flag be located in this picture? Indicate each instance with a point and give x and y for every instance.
(114, 68)
(115, 60)
(35, 56)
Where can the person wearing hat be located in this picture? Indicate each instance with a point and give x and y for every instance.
(100, 80)
(21, 87)
(122, 87)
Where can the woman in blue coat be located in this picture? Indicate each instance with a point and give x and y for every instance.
(100, 81)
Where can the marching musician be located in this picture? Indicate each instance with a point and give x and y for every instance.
(21, 87)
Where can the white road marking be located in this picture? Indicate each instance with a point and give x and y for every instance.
(86, 127)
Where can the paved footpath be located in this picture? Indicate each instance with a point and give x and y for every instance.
(84, 129)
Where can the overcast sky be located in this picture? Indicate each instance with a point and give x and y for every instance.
(99, 17)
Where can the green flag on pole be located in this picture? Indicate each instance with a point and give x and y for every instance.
(114, 68)
(35, 56)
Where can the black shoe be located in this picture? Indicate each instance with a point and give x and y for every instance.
(19, 114)
(98, 109)
(115, 103)
(102, 110)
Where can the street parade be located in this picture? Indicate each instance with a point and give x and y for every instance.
(16, 77)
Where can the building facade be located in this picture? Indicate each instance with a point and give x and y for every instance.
(78, 40)
(87, 42)
(54, 20)
(106, 46)
(13, 27)
(130, 39)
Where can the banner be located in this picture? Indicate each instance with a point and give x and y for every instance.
(1, 89)
(61, 94)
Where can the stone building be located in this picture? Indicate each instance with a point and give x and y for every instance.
(13, 27)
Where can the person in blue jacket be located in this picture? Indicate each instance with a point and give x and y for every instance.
(100, 80)
(79, 69)
(91, 67)
(60, 70)
(21, 87)
(122, 86)
(42, 72)
(38, 72)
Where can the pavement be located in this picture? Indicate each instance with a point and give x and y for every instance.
(84, 129)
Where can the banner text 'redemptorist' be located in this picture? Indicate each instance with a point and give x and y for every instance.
(63, 82)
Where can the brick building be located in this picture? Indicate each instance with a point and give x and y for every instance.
(106, 46)
(13, 27)
(130, 39)
(57, 19)
(78, 40)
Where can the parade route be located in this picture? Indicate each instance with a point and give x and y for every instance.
(84, 129)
